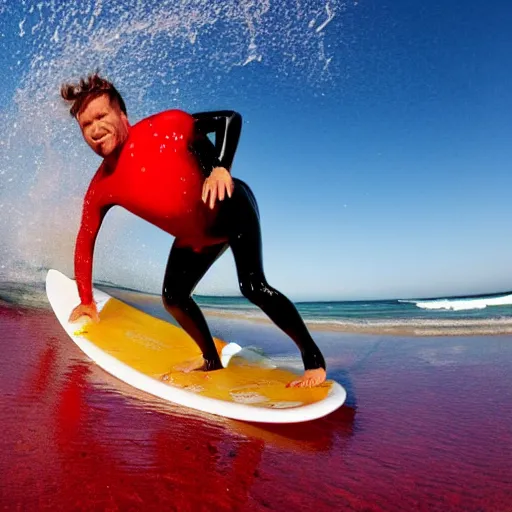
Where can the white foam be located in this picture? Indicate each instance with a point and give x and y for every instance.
(150, 49)
(465, 304)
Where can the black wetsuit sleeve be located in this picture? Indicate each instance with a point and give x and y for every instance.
(227, 126)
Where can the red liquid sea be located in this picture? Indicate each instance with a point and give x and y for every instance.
(427, 426)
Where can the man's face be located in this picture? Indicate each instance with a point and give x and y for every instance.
(103, 124)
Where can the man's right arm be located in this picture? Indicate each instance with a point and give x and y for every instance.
(94, 210)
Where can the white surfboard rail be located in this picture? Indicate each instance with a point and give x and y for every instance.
(63, 297)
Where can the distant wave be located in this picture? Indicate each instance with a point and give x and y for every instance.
(463, 304)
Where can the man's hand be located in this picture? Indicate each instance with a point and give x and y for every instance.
(85, 310)
(218, 184)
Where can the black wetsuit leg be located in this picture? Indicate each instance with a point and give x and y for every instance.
(185, 267)
(239, 218)
(184, 270)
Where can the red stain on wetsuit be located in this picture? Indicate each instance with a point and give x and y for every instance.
(155, 177)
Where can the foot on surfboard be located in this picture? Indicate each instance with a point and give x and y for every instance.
(196, 364)
(311, 378)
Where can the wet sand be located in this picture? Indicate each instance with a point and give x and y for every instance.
(427, 426)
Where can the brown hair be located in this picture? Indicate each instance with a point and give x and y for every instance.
(87, 89)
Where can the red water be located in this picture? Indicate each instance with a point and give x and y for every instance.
(427, 427)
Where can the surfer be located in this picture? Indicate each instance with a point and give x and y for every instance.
(165, 170)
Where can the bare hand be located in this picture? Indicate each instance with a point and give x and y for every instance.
(85, 310)
(218, 184)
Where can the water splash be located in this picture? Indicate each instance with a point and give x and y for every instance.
(150, 48)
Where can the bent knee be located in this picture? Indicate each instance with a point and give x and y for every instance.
(256, 290)
(173, 298)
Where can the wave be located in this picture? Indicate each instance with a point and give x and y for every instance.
(157, 52)
(463, 304)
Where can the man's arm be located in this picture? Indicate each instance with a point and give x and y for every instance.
(227, 126)
(94, 210)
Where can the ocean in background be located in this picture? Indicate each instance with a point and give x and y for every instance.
(484, 307)
(489, 314)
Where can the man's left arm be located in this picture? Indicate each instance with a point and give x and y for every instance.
(227, 126)
(216, 160)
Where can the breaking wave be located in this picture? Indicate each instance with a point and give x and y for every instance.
(463, 304)
(183, 51)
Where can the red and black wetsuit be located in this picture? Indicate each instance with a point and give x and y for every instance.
(158, 176)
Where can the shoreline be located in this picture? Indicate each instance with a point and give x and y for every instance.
(416, 328)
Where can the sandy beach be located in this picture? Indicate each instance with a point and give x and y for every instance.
(427, 426)
(417, 328)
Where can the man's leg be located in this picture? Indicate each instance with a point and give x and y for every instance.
(242, 221)
(184, 270)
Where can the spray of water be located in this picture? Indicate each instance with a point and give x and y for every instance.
(148, 47)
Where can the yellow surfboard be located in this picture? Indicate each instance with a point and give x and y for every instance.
(146, 353)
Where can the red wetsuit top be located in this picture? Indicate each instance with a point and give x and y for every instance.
(157, 177)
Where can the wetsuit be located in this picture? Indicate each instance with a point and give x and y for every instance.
(158, 176)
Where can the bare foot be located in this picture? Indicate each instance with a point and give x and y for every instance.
(196, 364)
(310, 379)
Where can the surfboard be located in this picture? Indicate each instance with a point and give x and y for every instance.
(142, 351)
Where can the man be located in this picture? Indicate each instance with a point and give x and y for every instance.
(165, 170)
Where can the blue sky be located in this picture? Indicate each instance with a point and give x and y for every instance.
(384, 173)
